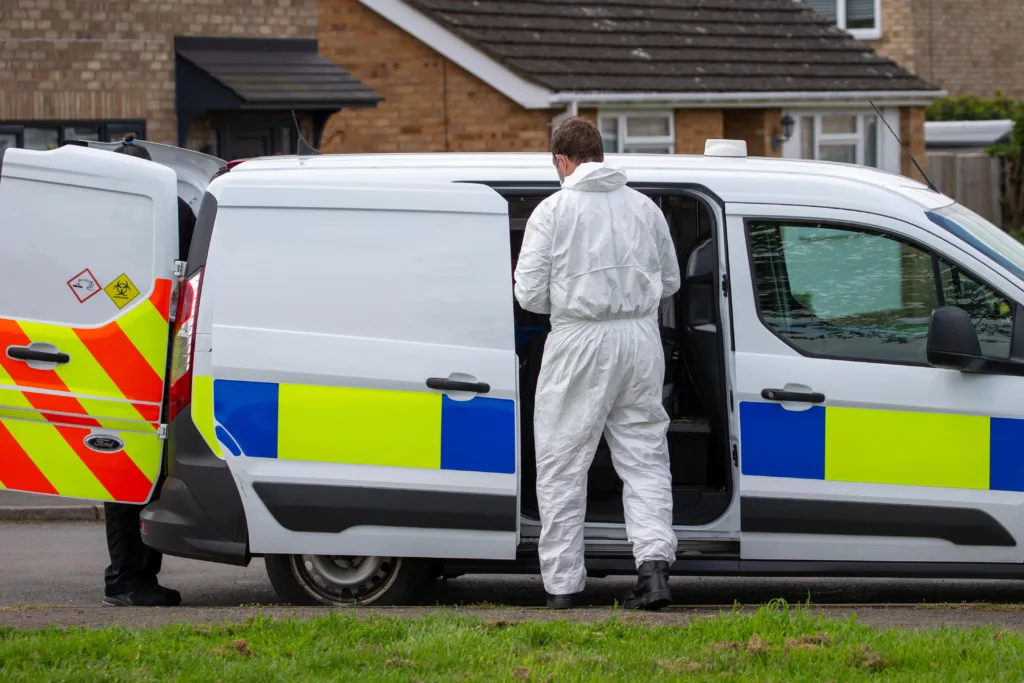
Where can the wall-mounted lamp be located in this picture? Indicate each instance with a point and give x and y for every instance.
(787, 132)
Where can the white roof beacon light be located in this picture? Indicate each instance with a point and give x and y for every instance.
(725, 148)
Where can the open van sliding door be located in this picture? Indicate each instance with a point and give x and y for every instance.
(89, 241)
(355, 365)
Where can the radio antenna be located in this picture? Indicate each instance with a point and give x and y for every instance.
(303, 149)
(911, 156)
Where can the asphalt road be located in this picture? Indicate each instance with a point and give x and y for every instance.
(52, 574)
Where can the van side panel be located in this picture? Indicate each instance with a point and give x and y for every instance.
(329, 308)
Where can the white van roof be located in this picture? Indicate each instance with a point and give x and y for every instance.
(747, 180)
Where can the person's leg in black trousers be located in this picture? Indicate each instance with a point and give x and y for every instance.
(131, 578)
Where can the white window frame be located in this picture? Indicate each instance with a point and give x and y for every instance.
(887, 152)
(860, 33)
(624, 140)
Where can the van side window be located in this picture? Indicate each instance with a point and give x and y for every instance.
(992, 313)
(847, 293)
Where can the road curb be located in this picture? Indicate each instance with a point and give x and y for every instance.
(70, 513)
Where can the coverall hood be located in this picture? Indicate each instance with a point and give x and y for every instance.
(595, 177)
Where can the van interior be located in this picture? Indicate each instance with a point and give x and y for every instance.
(694, 393)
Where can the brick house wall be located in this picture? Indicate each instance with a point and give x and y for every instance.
(912, 135)
(61, 61)
(430, 104)
(964, 46)
(694, 127)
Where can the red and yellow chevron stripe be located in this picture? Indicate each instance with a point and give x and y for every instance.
(113, 382)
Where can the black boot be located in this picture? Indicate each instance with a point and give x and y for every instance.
(561, 602)
(652, 591)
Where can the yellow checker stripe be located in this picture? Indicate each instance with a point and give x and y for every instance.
(146, 451)
(85, 371)
(904, 448)
(359, 426)
(148, 331)
(57, 461)
(202, 412)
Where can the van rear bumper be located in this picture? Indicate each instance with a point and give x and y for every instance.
(198, 513)
(176, 525)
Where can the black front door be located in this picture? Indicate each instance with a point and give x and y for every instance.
(249, 136)
(247, 143)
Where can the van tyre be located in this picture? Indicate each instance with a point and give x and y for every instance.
(346, 581)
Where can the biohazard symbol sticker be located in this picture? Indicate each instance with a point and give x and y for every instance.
(121, 291)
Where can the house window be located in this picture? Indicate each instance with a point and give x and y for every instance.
(44, 135)
(860, 18)
(638, 133)
(843, 137)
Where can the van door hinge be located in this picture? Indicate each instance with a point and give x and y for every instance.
(735, 456)
(725, 285)
(179, 268)
(161, 432)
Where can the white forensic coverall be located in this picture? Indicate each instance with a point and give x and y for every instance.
(599, 258)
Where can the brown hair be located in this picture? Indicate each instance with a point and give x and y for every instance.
(129, 147)
(579, 140)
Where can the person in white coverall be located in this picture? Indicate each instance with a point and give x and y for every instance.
(599, 258)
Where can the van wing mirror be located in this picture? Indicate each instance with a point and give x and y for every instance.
(952, 340)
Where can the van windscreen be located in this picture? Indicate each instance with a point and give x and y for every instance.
(982, 235)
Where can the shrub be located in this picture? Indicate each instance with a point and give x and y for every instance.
(1010, 151)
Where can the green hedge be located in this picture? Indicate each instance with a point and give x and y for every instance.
(1011, 152)
(974, 108)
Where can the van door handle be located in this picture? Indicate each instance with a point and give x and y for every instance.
(445, 384)
(27, 354)
(792, 396)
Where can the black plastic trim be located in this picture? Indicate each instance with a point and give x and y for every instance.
(199, 250)
(333, 509)
(28, 354)
(445, 384)
(792, 396)
(198, 513)
(958, 525)
(527, 563)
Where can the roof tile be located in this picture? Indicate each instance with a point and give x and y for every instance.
(684, 46)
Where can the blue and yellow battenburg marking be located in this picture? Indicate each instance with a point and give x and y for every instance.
(882, 447)
(356, 426)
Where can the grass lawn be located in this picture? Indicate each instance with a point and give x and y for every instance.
(774, 644)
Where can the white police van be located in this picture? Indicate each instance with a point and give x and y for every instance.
(351, 383)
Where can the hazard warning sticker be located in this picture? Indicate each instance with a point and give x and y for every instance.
(84, 286)
(121, 291)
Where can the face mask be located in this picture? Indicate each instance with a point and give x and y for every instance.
(560, 170)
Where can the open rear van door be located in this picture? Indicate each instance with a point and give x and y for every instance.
(89, 244)
(194, 169)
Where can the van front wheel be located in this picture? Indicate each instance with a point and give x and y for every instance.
(341, 580)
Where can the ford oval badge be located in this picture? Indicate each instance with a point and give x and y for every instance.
(104, 443)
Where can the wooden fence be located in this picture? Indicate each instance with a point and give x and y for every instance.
(973, 178)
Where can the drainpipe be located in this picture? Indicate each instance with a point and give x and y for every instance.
(571, 110)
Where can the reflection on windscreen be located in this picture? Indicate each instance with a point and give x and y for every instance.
(847, 293)
(982, 235)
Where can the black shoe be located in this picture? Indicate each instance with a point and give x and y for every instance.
(561, 602)
(151, 596)
(652, 591)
